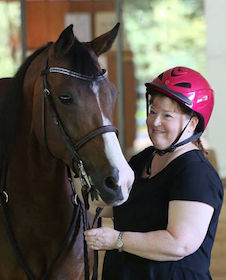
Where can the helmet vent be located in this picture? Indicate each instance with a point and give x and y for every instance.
(160, 76)
(186, 85)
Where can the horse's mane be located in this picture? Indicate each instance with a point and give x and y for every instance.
(11, 109)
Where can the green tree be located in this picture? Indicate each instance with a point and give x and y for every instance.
(10, 49)
(165, 33)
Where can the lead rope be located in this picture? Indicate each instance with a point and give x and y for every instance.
(95, 252)
(86, 226)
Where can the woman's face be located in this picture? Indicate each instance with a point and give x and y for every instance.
(165, 121)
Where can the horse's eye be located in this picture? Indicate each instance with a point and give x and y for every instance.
(66, 99)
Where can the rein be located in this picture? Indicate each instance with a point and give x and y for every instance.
(12, 238)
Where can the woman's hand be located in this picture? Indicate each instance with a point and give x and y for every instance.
(103, 238)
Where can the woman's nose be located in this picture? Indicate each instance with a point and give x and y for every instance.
(157, 120)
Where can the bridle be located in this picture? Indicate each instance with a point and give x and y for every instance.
(77, 166)
(72, 148)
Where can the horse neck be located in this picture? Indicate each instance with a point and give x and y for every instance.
(31, 166)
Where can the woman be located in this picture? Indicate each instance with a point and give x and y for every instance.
(166, 229)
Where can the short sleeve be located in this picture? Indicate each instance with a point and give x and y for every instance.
(196, 181)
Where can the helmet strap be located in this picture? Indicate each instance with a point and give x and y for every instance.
(173, 146)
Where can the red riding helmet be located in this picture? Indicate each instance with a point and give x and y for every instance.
(187, 87)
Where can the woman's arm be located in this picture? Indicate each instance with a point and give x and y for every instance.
(187, 227)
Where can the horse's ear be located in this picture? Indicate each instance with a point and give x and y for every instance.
(65, 41)
(104, 42)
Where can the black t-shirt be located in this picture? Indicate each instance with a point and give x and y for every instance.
(188, 177)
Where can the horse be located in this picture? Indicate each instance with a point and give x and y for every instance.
(56, 115)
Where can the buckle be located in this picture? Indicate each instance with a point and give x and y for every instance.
(4, 197)
(74, 199)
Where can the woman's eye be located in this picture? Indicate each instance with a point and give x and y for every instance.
(168, 116)
(152, 111)
(65, 99)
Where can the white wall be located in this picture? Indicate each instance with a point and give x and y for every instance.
(215, 11)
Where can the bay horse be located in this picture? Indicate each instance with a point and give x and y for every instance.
(56, 112)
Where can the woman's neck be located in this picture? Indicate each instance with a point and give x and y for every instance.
(158, 162)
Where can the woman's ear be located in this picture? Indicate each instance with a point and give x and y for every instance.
(193, 123)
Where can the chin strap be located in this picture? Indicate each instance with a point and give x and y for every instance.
(175, 145)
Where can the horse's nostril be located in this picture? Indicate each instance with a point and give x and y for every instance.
(111, 183)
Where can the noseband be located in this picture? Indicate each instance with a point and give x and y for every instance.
(73, 148)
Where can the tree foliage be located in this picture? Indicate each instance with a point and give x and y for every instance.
(165, 33)
(10, 49)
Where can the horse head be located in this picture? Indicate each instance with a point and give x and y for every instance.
(75, 101)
